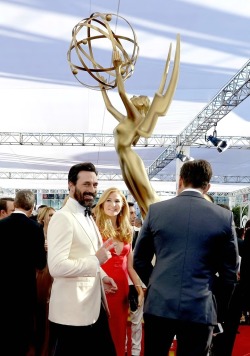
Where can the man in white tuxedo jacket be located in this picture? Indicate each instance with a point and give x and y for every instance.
(78, 310)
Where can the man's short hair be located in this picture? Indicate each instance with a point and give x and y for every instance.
(3, 202)
(197, 173)
(74, 170)
(130, 203)
(24, 199)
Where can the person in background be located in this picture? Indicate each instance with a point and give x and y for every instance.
(223, 342)
(22, 241)
(41, 207)
(136, 314)
(189, 251)
(44, 281)
(78, 309)
(6, 206)
(247, 224)
(245, 274)
(112, 218)
(240, 231)
(35, 213)
(137, 228)
(132, 218)
(208, 197)
(240, 238)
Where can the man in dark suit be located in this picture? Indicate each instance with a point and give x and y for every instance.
(22, 244)
(245, 274)
(135, 312)
(192, 240)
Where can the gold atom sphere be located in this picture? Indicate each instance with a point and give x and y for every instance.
(91, 49)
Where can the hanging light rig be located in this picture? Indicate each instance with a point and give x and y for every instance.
(183, 157)
(220, 144)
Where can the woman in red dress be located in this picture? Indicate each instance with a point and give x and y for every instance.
(112, 218)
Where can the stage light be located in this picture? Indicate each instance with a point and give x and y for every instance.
(183, 157)
(220, 144)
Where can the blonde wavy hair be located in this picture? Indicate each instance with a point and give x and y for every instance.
(43, 212)
(124, 231)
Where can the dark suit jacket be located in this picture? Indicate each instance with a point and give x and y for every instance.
(245, 271)
(135, 235)
(22, 246)
(192, 240)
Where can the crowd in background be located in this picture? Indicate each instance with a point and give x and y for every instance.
(60, 256)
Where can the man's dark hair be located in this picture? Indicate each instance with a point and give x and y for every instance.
(130, 203)
(74, 170)
(41, 206)
(3, 203)
(197, 173)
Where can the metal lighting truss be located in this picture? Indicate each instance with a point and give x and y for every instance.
(103, 140)
(72, 139)
(78, 139)
(111, 177)
(230, 96)
(12, 192)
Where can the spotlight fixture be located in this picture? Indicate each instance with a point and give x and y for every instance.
(217, 142)
(220, 144)
(183, 157)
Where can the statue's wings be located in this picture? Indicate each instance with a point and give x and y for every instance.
(161, 102)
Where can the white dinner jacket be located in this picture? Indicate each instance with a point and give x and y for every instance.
(77, 288)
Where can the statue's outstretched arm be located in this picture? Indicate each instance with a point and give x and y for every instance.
(130, 108)
(113, 111)
(161, 102)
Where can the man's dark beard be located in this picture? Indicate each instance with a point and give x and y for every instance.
(80, 197)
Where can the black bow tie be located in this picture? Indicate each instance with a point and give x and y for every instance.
(87, 211)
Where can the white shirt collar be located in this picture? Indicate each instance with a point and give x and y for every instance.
(191, 190)
(19, 212)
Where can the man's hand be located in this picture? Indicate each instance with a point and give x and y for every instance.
(109, 285)
(103, 253)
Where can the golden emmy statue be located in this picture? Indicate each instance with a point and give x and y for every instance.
(140, 119)
(101, 31)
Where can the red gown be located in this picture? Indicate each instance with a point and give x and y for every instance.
(116, 268)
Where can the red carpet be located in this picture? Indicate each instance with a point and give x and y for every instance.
(242, 342)
(241, 346)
